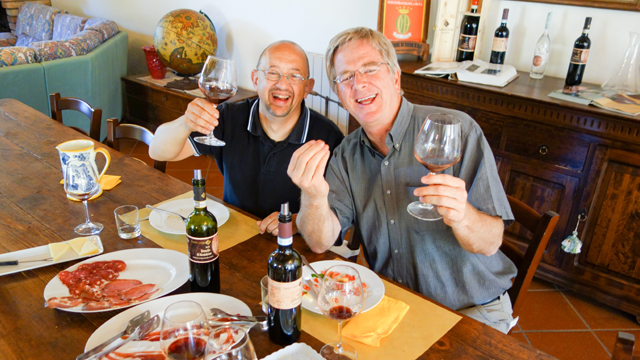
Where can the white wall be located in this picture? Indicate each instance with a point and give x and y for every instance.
(245, 27)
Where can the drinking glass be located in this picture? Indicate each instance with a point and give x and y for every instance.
(229, 343)
(437, 147)
(184, 331)
(218, 82)
(341, 297)
(127, 221)
(81, 183)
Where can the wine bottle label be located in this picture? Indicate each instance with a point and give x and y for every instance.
(579, 56)
(203, 250)
(499, 44)
(285, 295)
(467, 42)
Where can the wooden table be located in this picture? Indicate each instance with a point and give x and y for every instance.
(35, 211)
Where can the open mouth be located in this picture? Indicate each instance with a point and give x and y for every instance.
(366, 100)
(280, 97)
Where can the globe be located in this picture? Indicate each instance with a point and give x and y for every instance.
(183, 40)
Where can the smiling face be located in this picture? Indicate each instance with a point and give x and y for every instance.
(374, 100)
(280, 99)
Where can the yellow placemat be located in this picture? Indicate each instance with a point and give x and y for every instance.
(237, 229)
(421, 327)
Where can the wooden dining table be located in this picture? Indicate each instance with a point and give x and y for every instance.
(34, 211)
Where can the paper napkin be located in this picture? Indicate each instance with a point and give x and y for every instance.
(108, 182)
(370, 327)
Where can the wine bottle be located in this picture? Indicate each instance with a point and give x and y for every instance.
(500, 38)
(541, 53)
(468, 34)
(202, 242)
(579, 57)
(285, 285)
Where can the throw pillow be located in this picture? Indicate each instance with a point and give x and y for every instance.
(17, 55)
(65, 26)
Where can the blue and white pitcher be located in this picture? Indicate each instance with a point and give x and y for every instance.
(84, 151)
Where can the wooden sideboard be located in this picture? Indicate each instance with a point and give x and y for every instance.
(560, 156)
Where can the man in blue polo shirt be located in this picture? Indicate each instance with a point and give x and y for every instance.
(260, 134)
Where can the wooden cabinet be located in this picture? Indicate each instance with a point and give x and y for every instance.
(560, 156)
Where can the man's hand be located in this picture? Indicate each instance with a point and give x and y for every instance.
(306, 169)
(449, 193)
(201, 116)
(270, 224)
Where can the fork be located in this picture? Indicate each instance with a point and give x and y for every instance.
(167, 211)
(306, 263)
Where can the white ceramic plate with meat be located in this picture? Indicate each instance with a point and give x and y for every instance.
(174, 225)
(120, 321)
(166, 269)
(374, 287)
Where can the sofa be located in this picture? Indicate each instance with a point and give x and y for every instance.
(53, 51)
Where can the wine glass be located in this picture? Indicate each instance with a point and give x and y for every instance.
(81, 183)
(437, 147)
(218, 82)
(341, 297)
(184, 331)
(229, 343)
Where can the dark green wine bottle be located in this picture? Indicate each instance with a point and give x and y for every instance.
(202, 239)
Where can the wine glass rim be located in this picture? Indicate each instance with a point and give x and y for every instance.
(342, 266)
(443, 119)
(219, 58)
(190, 303)
(244, 340)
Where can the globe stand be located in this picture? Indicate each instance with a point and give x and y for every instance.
(186, 83)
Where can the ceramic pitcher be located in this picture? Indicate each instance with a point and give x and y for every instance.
(84, 151)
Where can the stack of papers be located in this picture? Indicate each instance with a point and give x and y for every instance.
(476, 71)
(616, 102)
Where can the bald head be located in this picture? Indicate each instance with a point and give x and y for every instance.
(284, 45)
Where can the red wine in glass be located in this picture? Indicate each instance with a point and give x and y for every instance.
(215, 93)
(187, 348)
(436, 165)
(340, 313)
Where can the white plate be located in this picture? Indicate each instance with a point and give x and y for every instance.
(167, 269)
(42, 252)
(208, 300)
(298, 351)
(174, 225)
(375, 286)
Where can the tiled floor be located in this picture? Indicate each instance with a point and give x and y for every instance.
(554, 320)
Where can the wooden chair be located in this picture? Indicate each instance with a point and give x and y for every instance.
(70, 103)
(623, 349)
(116, 131)
(541, 226)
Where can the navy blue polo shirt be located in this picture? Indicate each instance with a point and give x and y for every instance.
(253, 165)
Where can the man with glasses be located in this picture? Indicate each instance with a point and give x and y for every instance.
(260, 134)
(373, 175)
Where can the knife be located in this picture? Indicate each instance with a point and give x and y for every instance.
(16, 262)
(140, 332)
(133, 324)
(221, 317)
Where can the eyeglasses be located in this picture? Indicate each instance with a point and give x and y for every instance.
(369, 69)
(292, 78)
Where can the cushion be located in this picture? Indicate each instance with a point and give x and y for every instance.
(7, 39)
(26, 40)
(65, 26)
(81, 44)
(107, 28)
(36, 21)
(17, 55)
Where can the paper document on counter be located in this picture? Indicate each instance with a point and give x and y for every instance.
(481, 72)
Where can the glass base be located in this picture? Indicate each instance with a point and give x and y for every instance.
(210, 140)
(88, 229)
(423, 211)
(344, 352)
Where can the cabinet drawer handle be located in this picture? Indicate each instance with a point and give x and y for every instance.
(544, 149)
(165, 98)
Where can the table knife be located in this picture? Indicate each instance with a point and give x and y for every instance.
(133, 324)
(16, 262)
(140, 332)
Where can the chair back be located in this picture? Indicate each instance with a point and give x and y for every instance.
(623, 348)
(541, 226)
(116, 131)
(58, 104)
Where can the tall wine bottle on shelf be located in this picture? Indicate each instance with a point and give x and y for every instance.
(285, 285)
(500, 38)
(541, 53)
(468, 34)
(578, 61)
(202, 242)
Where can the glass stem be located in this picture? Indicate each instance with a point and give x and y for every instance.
(428, 206)
(339, 349)
(86, 211)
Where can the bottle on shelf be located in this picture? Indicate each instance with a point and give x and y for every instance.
(500, 38)
(579, 57)
(285, 285)
(468, 34)
(202, 242)
(541, 53)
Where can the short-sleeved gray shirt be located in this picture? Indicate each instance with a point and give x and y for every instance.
(372, 192)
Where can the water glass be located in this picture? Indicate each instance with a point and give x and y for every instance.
(127, 221)
(264, 285)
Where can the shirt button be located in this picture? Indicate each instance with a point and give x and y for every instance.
(395, 251)
(392, 222)
(400, 281)
(397, 146)
(386, 163)
(388, 192)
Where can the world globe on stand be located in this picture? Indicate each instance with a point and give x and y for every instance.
(183, 40)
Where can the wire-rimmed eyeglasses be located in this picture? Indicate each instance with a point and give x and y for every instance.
(292, 78)
(369, 69)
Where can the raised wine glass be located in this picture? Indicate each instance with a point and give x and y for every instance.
(341, 297)
(218, 82)
(81, 183)
(229, 343)
(184, 331)
(437, 147)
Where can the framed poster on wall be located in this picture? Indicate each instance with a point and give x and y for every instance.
(405, 23)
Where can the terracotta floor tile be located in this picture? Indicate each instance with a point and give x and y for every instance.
(608, 338)
(140, 148)
(183, 175)
(190, 163)
(600, 316)
(548, 310)
(520, 336)
(540, 284)
(216, 191)
(569, 345)
(126, 145)
(215, 179)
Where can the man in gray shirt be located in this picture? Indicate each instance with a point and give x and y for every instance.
(373, 176)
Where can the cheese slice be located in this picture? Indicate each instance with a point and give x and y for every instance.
(77, 244)
(89, 248)
(57, 250)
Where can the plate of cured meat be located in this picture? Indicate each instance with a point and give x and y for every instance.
(117, 280)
